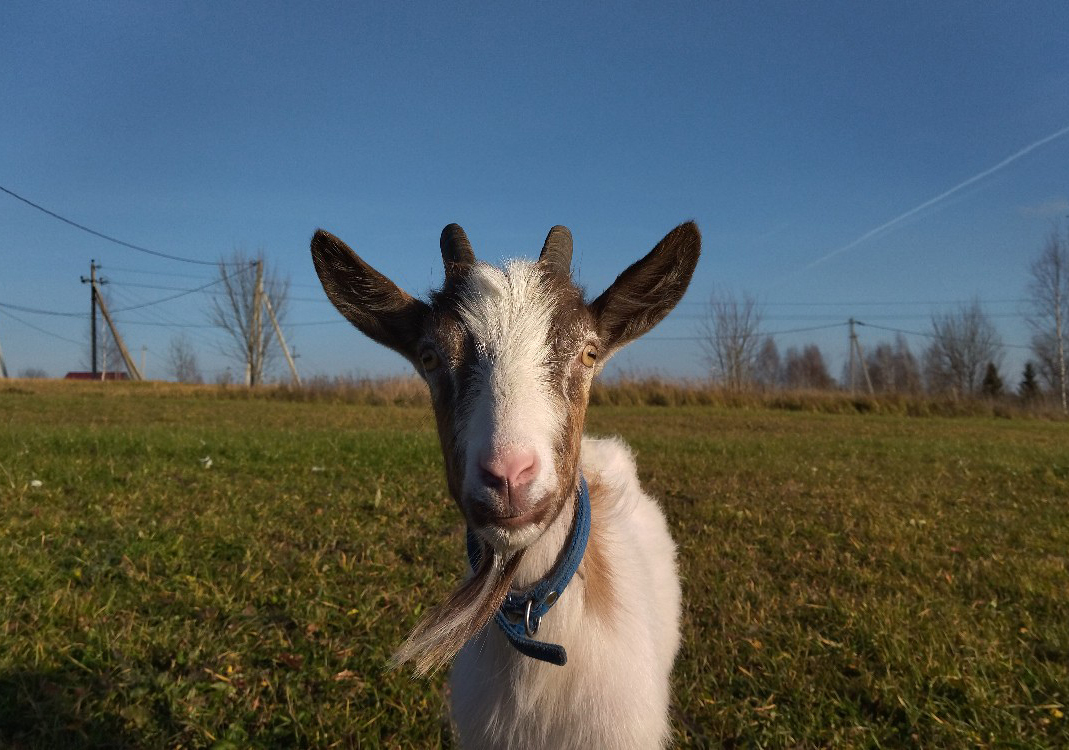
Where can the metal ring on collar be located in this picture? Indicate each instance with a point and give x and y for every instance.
(528, 627)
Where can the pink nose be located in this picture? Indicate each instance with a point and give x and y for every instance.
(509, 472)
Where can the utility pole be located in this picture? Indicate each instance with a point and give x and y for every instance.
(126, 358)
(850, 347)
(3, 367)
(254, 361)
(92, 281)
(143, 350)
(282, 340)
(855, 347)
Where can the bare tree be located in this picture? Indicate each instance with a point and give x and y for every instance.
(879, 364)
(963, 343)
(1046, 353)
(238, 309)
(182, 361)
(806, 369)
(1049, 320)
(730, 337)
(768, 372)
(893, 368)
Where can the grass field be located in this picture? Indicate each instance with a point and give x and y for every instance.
(186, 568)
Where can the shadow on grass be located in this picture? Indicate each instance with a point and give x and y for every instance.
(57, 709)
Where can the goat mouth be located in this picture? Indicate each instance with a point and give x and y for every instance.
(484, 514)
(509, 531)
(519, 520)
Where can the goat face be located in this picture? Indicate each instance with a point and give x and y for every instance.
(509, 355)
(508, 358)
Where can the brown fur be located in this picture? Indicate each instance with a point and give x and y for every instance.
(450, 339)
(596, 570)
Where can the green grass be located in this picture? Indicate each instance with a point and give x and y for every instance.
(850, 580)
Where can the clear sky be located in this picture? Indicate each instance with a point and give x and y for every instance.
(818, 145)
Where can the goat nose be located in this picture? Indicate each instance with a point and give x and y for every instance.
(509, 470)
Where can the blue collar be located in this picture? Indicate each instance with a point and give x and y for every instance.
(520, 613)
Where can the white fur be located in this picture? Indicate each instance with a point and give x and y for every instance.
(510, 403)
(614, 691)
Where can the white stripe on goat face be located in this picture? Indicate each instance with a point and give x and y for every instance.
(511, 404)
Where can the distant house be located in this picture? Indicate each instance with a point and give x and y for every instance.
(98, 376)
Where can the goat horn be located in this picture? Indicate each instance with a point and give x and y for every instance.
(456, 250)
(557, 252)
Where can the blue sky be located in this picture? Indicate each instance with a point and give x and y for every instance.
(787, 130)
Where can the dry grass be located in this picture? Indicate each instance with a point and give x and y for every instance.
(620, 391)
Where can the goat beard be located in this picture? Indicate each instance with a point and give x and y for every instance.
(444, 630)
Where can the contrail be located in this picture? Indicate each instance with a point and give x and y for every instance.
(942, 196)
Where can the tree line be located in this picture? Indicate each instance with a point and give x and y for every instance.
(963, 358)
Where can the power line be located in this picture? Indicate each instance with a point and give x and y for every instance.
(807, 329)
(759, 333)
(39, 329)
(832, 316)
(136, 285)
(107, 237)
(927, 335)
(182, 293)
(37, 311)
(162, 324)
(319, 322)
(337, 321)
(871, 303)
(174, 274)
(158, 319)
(820, 328)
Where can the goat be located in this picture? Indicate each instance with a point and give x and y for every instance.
(508, 355)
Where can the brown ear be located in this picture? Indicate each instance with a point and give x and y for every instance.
(369, 300)
(648, 290)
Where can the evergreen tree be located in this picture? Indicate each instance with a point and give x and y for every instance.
(1029, 386)
(992, 382)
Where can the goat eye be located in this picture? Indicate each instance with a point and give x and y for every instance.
(590, 355)
(429, 359)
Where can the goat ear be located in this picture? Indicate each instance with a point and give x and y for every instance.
(648, 290)
(369, 300)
